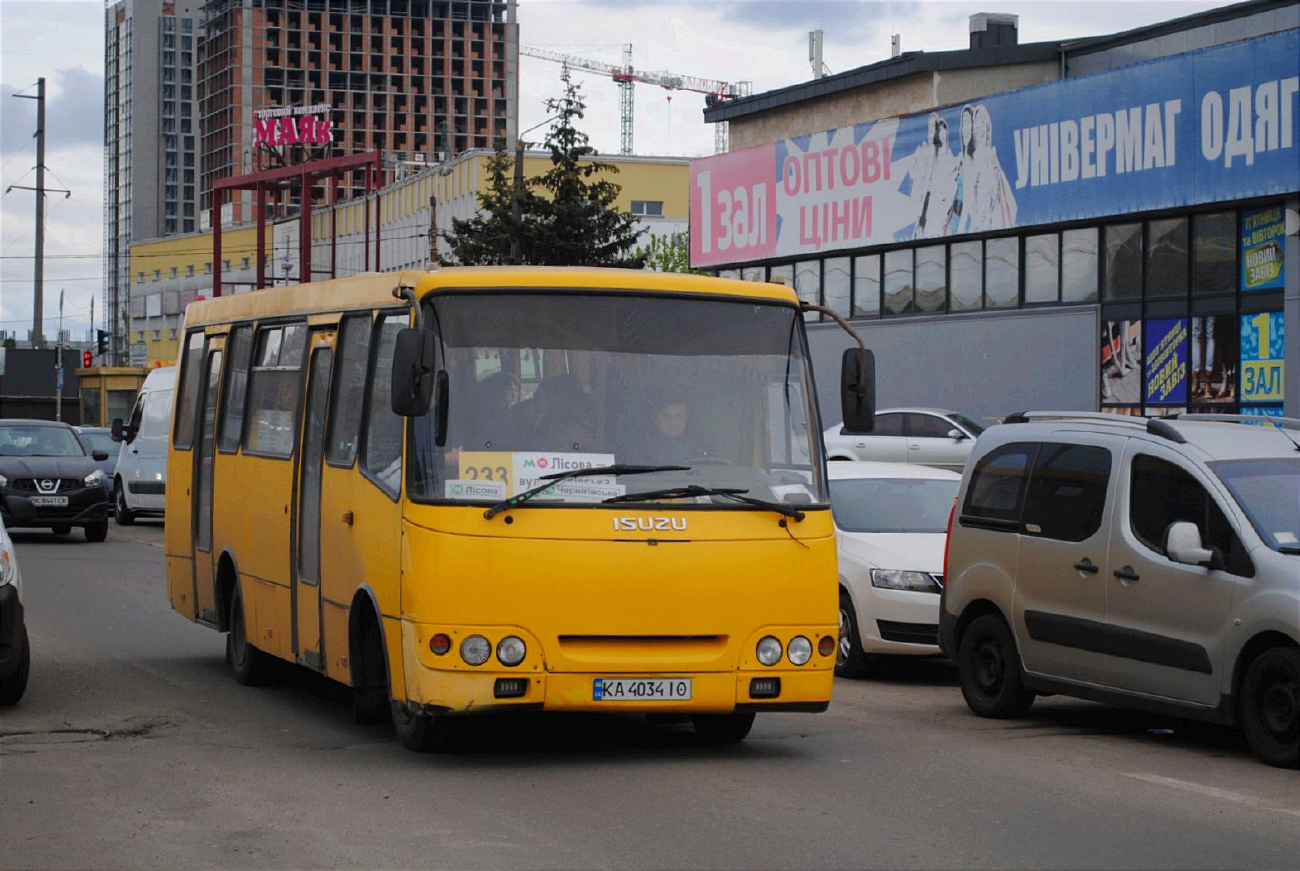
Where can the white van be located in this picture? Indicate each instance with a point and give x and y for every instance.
(141, 479)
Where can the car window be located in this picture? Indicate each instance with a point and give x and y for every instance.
(1162, 493)
(967, 424)
(928, 426)
(99, 441)
(893, 504)
(157, 414)
(888, 425)
(1067, 492)
(997, 483)
(17, 440)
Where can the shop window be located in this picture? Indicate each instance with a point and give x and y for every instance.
(751, 273)
(1042, 268)
(733, 274)
(836, 286)
(931, 278)
(1214, 253)
(965, 276)
(1002, 272)
(1122, 278)
(1079, 265)
(782, 275)
(898, 282)
(1167, 258)
(866, 286)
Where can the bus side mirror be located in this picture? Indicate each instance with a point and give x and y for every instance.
(858, 391)
(412, 387)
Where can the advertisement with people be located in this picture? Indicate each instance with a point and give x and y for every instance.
(1204, 126)
(1214, 353)
(1121, 362)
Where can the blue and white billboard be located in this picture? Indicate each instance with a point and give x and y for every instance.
(1207, 126)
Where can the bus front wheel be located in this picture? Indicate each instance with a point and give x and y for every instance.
(249, 665)
(722, 728)
(418, 731)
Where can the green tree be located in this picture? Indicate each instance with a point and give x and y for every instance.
(668, 254)
(564, 217)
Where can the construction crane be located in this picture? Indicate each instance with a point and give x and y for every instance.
(627, 76)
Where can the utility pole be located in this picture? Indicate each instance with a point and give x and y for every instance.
(58, 365)
(38, 276)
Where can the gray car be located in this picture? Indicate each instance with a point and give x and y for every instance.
(1153, 563)
(928, 436)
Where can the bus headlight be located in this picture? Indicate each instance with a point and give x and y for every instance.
(799, 650)
(475, 650)
(768, 651)
(511, 650)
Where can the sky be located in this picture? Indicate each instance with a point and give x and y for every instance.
(761, 41)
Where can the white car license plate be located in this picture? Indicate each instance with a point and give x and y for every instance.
(622, 689)
(49, 501)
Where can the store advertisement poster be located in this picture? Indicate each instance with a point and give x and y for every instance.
(1205, 126)
(1166, 359)
(1262, 365)
(1263, 249)
(1213, 352)
(1121, 363)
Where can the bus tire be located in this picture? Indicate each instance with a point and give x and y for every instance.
(248, 664)
(13, 687)
(122, 514)
(419, 731)
(96, 531)
(722, 728)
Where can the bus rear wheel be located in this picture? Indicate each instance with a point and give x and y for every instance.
(722, 728)
(418, 731)
(249, 665)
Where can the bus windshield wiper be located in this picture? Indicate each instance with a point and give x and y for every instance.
(693, 490)
(552, 480)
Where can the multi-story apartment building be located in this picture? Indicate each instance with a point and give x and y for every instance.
(410, 78)
(151, 156)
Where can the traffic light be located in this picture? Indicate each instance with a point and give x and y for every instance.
(102, 341)
(86, 360)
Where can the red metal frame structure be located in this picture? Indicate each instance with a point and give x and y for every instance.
(303, 176)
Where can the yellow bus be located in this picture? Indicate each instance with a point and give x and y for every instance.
(471, 490)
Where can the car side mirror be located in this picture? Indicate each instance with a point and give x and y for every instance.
(1183, 544)
(18, 511)
(119, 431)
(99, 456)
(858, 391)
(412, 384)
(956, 434)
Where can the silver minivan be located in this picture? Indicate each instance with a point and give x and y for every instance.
(141, 477)
(1153, 563)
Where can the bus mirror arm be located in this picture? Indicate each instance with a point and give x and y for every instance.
(857, 378)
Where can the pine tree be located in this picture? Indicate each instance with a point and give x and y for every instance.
(490, 238)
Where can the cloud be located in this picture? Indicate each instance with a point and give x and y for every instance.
(841, 20)
(74, 113)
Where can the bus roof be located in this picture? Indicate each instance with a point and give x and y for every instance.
(374, 289)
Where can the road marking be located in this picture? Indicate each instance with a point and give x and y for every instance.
(1214, 792)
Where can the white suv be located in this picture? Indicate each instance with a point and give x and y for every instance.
(1153, 563)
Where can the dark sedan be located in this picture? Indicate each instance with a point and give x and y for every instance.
(45, 462)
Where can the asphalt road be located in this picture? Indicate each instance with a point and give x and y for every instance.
(134, 748)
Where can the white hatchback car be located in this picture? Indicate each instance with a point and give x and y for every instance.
(891, 521)
(928, 436)
(15, 653)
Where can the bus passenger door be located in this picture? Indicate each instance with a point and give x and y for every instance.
(204, 588)
(307, 551)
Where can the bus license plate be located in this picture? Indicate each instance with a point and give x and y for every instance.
(49, 501)
(619, 689)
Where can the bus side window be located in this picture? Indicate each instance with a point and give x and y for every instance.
(349, 387)
(383, 447)
(191, 376)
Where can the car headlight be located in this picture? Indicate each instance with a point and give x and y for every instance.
(4, 482)
(895, 579)
(768, 650)
(511, 651)
(475, 650)
(799, 650)
(95, 478)
(8, 567)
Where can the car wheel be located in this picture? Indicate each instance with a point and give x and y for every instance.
(13, 687)
(249, 665)
(122, 514)
(850, 660)
(418, 731)
(97, 531)
(722, 728)
(1270, 706)
(61, 528)
(988, 666)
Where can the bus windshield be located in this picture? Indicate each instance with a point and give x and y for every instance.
(551, 381)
